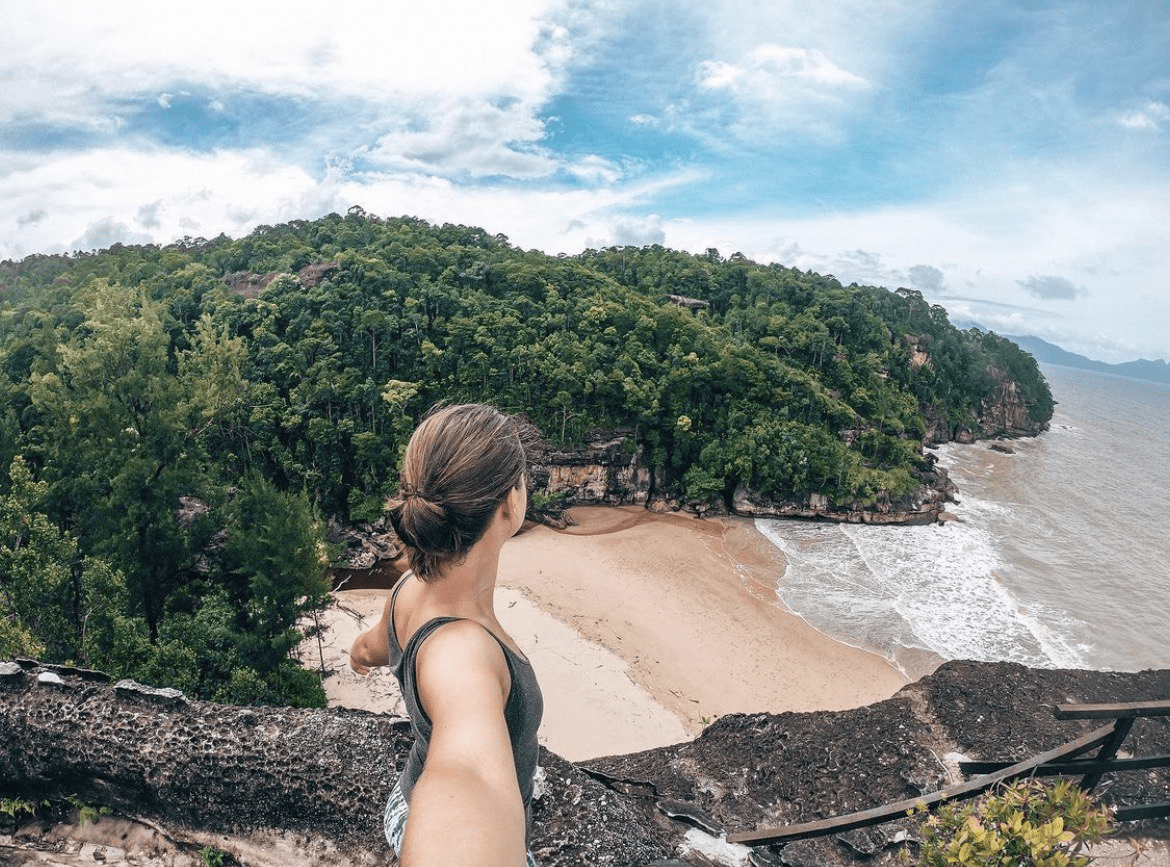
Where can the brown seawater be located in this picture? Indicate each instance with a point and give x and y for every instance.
(1061, 558)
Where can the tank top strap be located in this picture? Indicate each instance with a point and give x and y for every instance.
(428, 628)
(523, 709)
(424, 632)
(394, 601)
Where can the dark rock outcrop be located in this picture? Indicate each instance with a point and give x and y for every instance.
(365, 547)
(1003, 414)
(922, 505)
(324, 774)
(764, 770)
(250, 284)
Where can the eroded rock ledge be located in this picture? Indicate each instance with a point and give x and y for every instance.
(319, 777)
(610, 469)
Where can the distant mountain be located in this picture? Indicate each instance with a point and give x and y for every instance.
(1050, 353)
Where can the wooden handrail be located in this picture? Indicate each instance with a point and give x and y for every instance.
(878, 815)
(1125, 710)
(1074, 767)
(1061, 760)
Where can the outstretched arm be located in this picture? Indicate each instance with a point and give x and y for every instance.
(372, 647)
(466, 807)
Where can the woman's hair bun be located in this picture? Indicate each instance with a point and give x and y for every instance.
(459, 466)
(425, 522)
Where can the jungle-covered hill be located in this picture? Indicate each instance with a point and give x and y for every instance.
(269, 383)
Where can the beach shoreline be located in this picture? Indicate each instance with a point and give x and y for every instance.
(689, 604)
(643, 628)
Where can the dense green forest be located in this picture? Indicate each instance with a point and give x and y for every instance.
(180, 422)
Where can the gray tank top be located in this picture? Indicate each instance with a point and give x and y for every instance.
(522, 710)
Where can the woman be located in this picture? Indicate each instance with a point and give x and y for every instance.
(474, 702)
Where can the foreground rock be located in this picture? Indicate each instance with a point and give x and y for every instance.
(275, 785)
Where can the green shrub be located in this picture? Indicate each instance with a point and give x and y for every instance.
(1025, 823)
(87, 812)
(542, 500)
(14, 807)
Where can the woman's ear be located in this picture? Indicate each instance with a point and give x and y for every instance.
(515, 505)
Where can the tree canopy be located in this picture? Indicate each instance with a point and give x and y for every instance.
(275, 379)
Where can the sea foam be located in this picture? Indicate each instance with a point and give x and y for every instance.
(936, 588)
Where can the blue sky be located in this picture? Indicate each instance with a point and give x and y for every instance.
(1011, 160)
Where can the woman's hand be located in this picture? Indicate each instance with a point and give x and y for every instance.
(372, 647)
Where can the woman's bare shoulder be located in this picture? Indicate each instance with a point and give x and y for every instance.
(462, 655)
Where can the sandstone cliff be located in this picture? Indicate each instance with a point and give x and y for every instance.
(610, 469)
(309, 784)
(1004, 414)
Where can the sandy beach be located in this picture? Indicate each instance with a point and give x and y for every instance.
(643, 628)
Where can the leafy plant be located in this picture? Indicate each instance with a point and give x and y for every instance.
(142, 377)
(87, 812)
(13, 807)
(1024, 823)
(541, 500)
(210, 857)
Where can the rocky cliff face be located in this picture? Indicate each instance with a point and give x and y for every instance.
(609, 469)
(314, 781)
(922, 505)
(1003, 414)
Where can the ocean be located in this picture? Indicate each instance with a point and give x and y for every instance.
(1060, 557)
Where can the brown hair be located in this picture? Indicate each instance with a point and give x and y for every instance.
(460, 465)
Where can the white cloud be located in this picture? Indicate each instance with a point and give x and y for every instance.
(773, 87)
(83, 65)
(594, 169)
(468, 136)
(32, 217)
(775, 72)
(148, 215)
(1151, 116)
(447, 89)
(98, 197)
(434, 47)
(637, 233)
(106, 232)
(926, 278)
(870, 36)
(161, 196)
